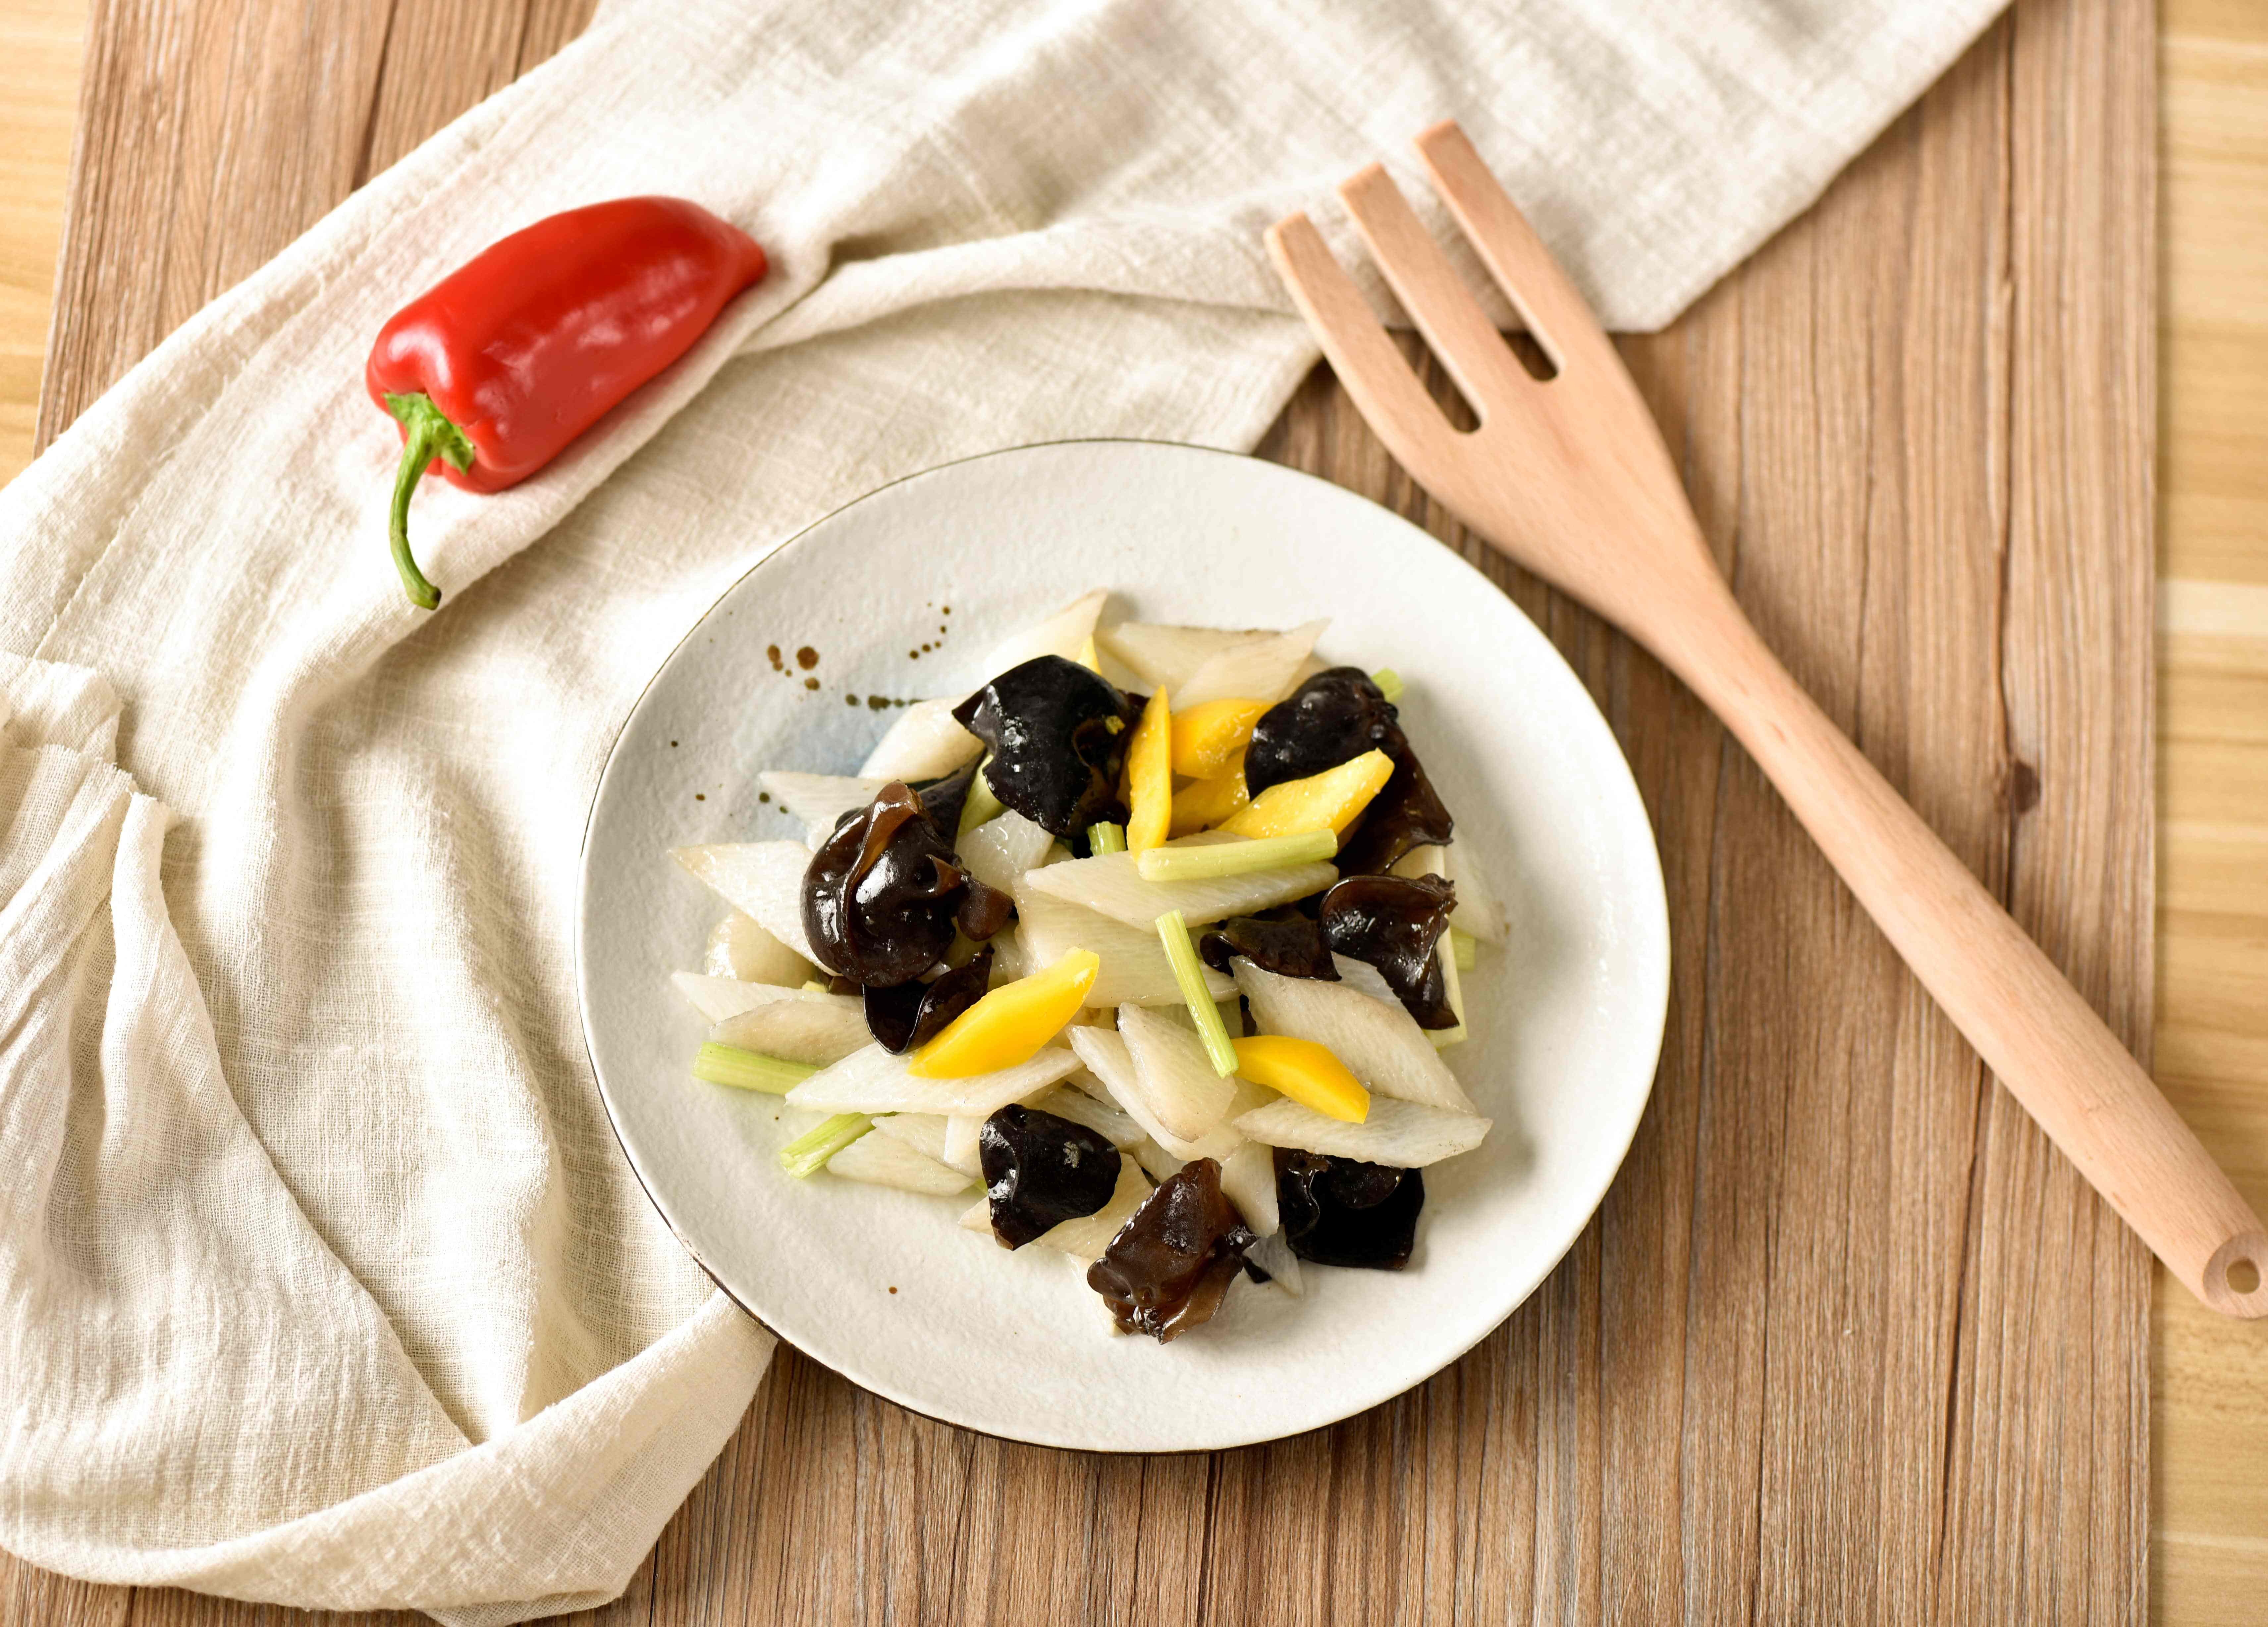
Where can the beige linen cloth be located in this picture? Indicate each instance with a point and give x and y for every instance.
(321, 1278)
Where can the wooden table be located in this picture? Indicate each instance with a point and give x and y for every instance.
(1803, 1363)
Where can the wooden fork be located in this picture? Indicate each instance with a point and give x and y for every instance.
(1570, 478)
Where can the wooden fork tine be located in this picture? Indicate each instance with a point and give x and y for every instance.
(1366, 360)
(1557, 317)
(1432, 291)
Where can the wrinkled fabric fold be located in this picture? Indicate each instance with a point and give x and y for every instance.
(322, 1279)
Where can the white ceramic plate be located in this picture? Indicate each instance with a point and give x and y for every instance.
(1566, 1021)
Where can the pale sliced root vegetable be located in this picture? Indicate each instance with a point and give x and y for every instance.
(886, 1160)
(1112, 884)
(961, 1149)
(1161, 657)
(1405, 1134)
(1159, 1165)
(760, 878)
(1365, 978)
(1380, 1043)
(1453, 987)
(924, 743)
(1260, 669)
(978, 1216)
(1479, 910)
(999, 851)
(818, 799)
(738, 947)
(1175, 1079)
(1135, 970)
(1274, 1256)
(1108, 1059)
(924, 1132)
(816, 1029)
(1064, 633)
(718, 998)
(873, 1081)
(1081, 1109)
(1248, 1177)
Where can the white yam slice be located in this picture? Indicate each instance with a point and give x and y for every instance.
(1173, 1076)
(738, 947)
(1166, 658)
(885, 1160)
(760, 878)
(960, 1151)
(1247, 1176)
(1108, 1059)
(1261, 669)
(999, 851)
(1479, 911)
(873, 1081)
(1380, 1043)
(1065, 634)
(1081, 1109)
(924, 743)
(1159, 1165)
(1365, 978)
(819, 799)
(924, 1132)
(1274, 1256)
(1112, 884)
(1135, 970)
(814, 1029)
(1405, 1134)
(717, 998)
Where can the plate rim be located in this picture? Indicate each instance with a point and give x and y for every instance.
(1660, 918)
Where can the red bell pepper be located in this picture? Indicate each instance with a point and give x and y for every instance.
(499, 364)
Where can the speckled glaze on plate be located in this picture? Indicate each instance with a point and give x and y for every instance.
(1566, 1019)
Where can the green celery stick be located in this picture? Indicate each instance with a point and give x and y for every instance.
(1443, 1038)
(1466, 948)
(1174, 932)
(1388, 682)
(748, 1069)
(1106, 837)
(807, 1153)
(1234, 858)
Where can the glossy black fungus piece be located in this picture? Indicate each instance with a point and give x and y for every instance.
(1335, 716)
(1395, 923)
(908, 1015)
(984, 911)
(1343, 1211)
(1058, 734)
(1041, 1171)
(1293, 947)
(1171, 1264)
(880, 894)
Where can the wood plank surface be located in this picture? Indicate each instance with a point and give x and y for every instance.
(1846, 1341)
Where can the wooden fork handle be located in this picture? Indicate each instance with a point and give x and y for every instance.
(2032, 1028)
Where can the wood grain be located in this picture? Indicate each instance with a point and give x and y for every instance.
(1802, 1363)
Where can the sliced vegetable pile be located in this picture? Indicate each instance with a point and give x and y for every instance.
(1157, 936)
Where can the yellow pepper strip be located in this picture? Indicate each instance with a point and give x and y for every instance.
(1329, 800)
(1211, 733)
(1208, 802)
(1305, 1072)
(1011, 1024)
(1150, 778)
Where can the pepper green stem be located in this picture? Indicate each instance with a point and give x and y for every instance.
(429, 435)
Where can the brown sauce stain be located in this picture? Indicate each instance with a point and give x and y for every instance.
(806, 657)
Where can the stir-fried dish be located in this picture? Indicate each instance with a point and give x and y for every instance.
(1157, 938)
